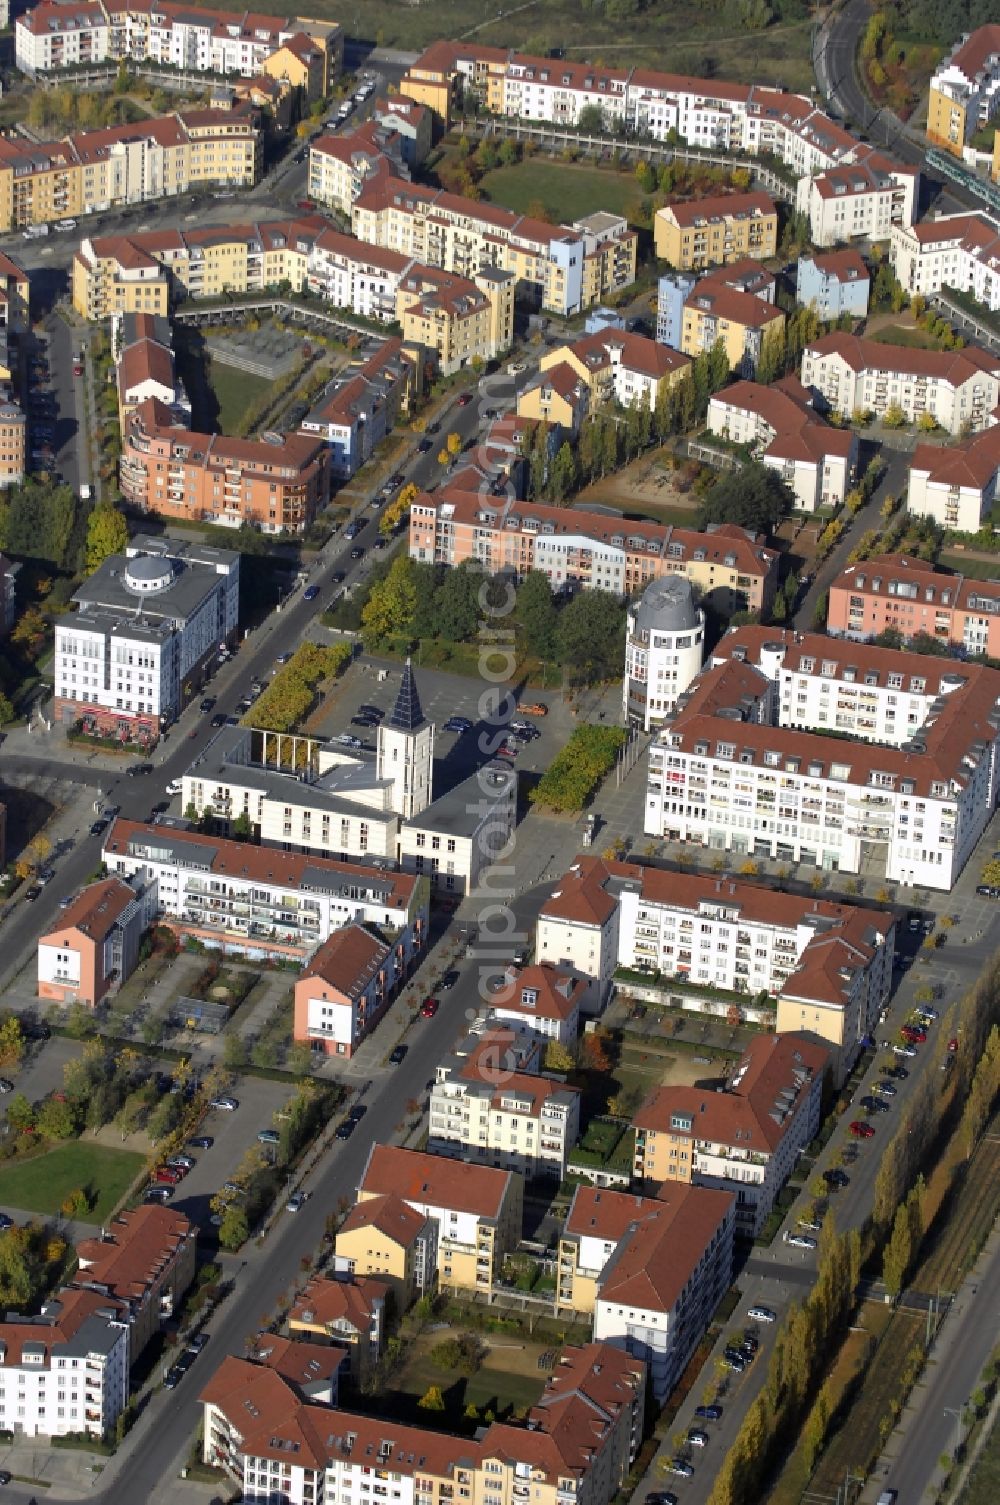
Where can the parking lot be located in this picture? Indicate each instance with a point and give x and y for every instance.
(232, 1135)
(443, 695)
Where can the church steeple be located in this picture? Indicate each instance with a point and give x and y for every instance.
(405, 751)
(406, 713)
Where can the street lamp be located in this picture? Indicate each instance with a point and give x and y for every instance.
(958, 1415)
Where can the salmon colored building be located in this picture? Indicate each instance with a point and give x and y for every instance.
(894, 592)
(95, 946)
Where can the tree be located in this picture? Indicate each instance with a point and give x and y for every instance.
(453, 444)
(7, 712)
(432, 1399)
(596, 1052)
(590, 120)
(58, 1119)
(562, 474)
(557, 1057)
(107, 534)
(11, 1043)
(456, 603)
(753, 497)
(18, 1270)
(898, 1252)
(20, 1114)
(894, 416)
(590, 635)
(391, 602)
(536, 614)
(234, 1229)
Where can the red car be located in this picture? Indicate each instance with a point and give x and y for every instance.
(169, 1175)
(953, 1045)
(465, 399)
(915, 1035)
(862, 1131)
(429, 1008)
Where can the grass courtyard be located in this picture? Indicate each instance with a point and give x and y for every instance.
(234, 391)
(567, 191)
(908, 336)
(42, 1185)
(507, 1381)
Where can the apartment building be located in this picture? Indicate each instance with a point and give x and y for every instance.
(490, 1115)
(965, 90)
(780, 428)
(276, 484)
(587, 549)
(456, 323)
(94, 948)
(834, 283)
(738, 767)
(65, 1371)
(650, 1271)
(565, 268)
(412, 124)
(696, 233)
(352, 1314)
(746, 119)
(142, 347)
(664, 648)
(619, 366)
(344, 991)
(13, 443)
(558, 396)
(144, 1260)
(15, 316)
(146, 625)
(957, 484)
(745, 1139)
(715, 312)
(386, 1237)
(541, 998)
(261, 901)
(859, 200)
(360, 407)
(959, 389)
(341, 165)
(955, 250)
(728, 937)
(57, 34)
(126, 164)
(580, 1439)
(908, 596)
(477, 1209)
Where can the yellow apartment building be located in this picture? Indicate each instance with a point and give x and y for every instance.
(742, 321)
(697, 233)
(385, 1237)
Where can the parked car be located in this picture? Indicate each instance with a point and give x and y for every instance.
(465, 399)
(800, 1240)
(32, 892)
(680, 1467)
(898, 1073)
(268, 1136)
(534, 708)
(138, 770)
(357, 1113)
(97, 827)
(397, 1054)
(376, 712)
(862, 1130)
(224, 1104)
(836, 1178)
(201, 1142)
(697, 1439)
(448, 981)
(159, 1193)
(345, 1129)
(710, 1413)
(760, 1314)
(296, 1201)
(884, 1088)
(218, 721)
(310, 593)
(208, 704)
(366, 721)
(357, 553)
(429, 1008)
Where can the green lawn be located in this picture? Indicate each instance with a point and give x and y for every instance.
(498, 1390)
(903, 334)
(568, 192)
(235, 391)
(43, 1185)
(973, 569)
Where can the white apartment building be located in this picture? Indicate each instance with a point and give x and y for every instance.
(744, 1139)
(650, 1270)
(818, 462)
(959, 389)
(860, 200)
(542, 998)
(349, 274)
(664, 648)
(261, 901)
(340, 166)
(146, 624)
(54, 36)
(737, 768)
(956, 250)
(956, 484)
(65, 1371)
(577, 929)
(514, 1120)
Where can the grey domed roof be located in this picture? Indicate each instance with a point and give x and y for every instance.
(667, 605)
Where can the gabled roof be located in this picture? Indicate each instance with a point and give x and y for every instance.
(390, 1215)
(425, 1180)
(323, 1303)
(94, 912)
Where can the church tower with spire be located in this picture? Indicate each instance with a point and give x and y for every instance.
(405, 751)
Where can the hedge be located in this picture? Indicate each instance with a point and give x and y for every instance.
(575, 773)
(291, 694)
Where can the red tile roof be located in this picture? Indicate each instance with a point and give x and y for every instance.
(435, 1181)
(972, 462)
(322, 1302)
(556, 994)
(94, 912)
(688, 212)
(954, 366)
(348, 960)
(138, 1247)
(390, 1214)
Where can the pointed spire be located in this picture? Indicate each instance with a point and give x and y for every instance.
(406, 714)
